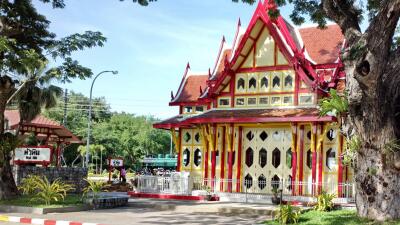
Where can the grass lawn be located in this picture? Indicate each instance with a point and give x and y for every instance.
(336, 217)
(70, 200)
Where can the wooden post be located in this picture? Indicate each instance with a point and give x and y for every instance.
(314, 156)
(294, 157)
(222, 161)
(239, 161)
(230, 156)
(301, 161)
(321, 156)
(213, 155)
(340, 167)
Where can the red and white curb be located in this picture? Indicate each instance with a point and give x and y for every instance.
(17, 219)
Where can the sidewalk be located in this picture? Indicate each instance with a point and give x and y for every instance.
(155, 211)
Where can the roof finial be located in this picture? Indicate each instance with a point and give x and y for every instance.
(239, 22)
(201, 91)
(172, 95)
(188, 66)
(209, 72)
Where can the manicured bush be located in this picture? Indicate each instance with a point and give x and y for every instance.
(288, 214)
(94, 188)
(324, 202)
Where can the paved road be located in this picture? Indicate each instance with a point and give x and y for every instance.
(123, 216)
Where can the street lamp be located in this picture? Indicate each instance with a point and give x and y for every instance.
(90, 114)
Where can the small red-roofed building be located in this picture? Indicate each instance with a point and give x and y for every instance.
(48, 132)
(251, 122)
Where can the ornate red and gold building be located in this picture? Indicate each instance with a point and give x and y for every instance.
(254, 116)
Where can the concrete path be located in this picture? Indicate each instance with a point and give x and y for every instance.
(151, 211)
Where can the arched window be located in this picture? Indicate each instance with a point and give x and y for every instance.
(276, 157)
(262, 159)
(187, 137)
(252, 83)
(240, 83)
(331, 134)
(249, 157)
(288, 81)
(197, 137)
(276, 82)
(197, 157)
(330, 159)
(275, 181)
(248, 181)
(309, 158)
(186, 157)
(264, 82)
(262, 181)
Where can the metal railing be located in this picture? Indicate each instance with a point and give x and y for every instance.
(251, 188)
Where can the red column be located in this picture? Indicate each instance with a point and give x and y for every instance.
(340, 167)
(294, 160)
(301, 163)
(230, 159)
(213, 157)
(222, 174)
(321, 160)
(314, 157)
(206, 152)
(239, 161)
(178, 163)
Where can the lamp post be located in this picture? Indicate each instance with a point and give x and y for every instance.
(90, 114)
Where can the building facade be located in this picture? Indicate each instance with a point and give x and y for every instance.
(253, 120)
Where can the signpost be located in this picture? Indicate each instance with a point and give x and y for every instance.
(114, 163)
(33, 155)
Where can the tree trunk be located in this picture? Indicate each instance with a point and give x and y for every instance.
(373, 118)
(8, 188)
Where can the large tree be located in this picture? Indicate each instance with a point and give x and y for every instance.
(372, 66)
(26, 45)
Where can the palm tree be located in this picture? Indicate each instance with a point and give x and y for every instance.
(31, 96)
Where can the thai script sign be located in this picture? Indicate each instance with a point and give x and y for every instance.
(116, 162)
(33, 155)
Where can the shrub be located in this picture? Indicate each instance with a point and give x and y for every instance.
(324, 202)
(28, 185)
(334, 105)
(47, 192)
(94, 187)
(288, 214)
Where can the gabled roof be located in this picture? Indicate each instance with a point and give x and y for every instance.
(323, 45)
(41, 123)
(189, 90)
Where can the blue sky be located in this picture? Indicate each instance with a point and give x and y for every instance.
(149, 46)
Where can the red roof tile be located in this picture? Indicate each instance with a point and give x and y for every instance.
(323, 45)
(40, 121)
(191, 88)
(13, 119)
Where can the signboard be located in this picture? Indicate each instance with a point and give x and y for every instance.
(116, 162)
(35, 154)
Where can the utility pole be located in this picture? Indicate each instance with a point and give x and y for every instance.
(65, 107)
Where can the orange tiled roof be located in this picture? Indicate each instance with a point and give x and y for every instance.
(13, 119)
(323, 45)
(191, 88)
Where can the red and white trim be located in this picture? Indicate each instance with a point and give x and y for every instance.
(38, 221)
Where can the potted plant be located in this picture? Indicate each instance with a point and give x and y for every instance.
(208, 195)
(275, 198)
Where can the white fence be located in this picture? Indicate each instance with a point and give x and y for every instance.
(236, 189)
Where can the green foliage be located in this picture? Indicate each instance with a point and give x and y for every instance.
(44, 191)
(8, 142)
(336, 217)
(353, 145)
(334, 104)
(93, 188)
(324, 202)
(28, 185)
(392, 146)
(288, 214)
